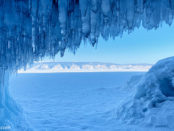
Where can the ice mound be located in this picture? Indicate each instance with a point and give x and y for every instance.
(153, 101)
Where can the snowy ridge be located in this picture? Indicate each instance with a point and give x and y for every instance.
(55, 67)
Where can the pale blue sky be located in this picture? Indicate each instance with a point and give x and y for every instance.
(141, 46)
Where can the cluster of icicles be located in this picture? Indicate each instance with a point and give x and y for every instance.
(32, 29)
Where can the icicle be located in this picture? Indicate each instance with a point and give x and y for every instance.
(36, 28)
(85, 16)
(3, 90)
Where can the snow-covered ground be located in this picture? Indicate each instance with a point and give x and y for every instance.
(75, 101)
(55, 67)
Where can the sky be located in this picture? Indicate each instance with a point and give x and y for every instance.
(139, 47)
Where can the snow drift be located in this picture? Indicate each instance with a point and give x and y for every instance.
(152, 102)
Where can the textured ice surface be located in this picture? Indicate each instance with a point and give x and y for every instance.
(151, 102)
(31, 29)
(11, 115)
(87, 102)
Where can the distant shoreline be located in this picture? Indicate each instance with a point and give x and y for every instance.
(71, 67)
(42, 72)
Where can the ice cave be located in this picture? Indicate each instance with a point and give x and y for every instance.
(33, 29)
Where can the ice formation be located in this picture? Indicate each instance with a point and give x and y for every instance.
(32, 29)
(153, 101)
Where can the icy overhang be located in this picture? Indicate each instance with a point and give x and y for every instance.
(32, 29)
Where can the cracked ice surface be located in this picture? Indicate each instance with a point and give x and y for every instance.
(32, 29)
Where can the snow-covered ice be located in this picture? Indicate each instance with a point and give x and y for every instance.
(151, 101)
(87, 102)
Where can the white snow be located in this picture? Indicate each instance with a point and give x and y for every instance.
(56, 67)
(83, 101)
(151, 101)
(72, 101)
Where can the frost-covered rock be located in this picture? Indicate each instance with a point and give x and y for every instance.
(153, 101)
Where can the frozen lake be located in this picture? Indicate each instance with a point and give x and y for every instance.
(71, 101)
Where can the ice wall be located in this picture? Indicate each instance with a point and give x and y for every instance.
(32, 29)
(11, 116)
